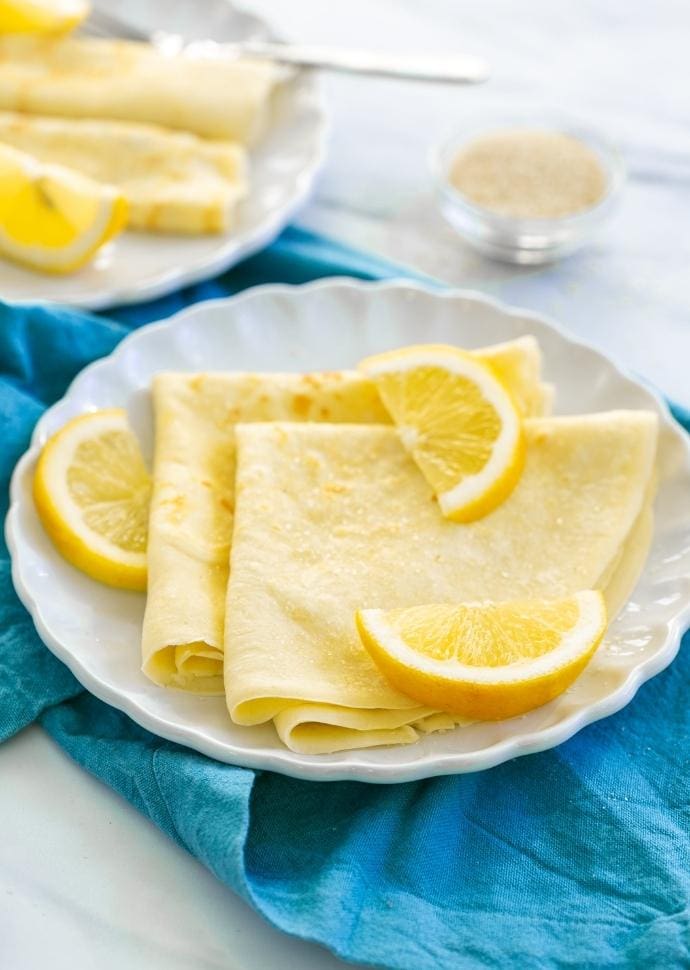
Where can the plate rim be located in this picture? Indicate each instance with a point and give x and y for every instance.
(233, 250)
(306, 766)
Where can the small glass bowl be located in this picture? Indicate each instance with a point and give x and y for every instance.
(529, 242)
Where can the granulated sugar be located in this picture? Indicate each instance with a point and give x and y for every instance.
(529, 173)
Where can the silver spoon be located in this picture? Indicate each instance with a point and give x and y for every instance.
(452, 68)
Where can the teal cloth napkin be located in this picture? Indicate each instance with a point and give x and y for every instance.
(577, 857)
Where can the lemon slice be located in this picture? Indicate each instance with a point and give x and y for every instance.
(52, 218)
(458, 422)
(92, 492)
(41, 16)
(485, 661)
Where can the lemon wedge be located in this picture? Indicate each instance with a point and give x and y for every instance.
(52, 218)
(92, 493)
(41, 16)
(458, 422)
(485, 661)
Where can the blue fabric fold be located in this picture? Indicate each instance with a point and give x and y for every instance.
(576, 857)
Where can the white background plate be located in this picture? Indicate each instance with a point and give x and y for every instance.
(140, 266)
(330, 325)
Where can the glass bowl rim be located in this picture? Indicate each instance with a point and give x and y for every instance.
(440, 155)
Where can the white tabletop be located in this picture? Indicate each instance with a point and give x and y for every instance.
(85, 881)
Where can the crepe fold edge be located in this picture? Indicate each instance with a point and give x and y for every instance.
(314, 727)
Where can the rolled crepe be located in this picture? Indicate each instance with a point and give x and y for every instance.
(192, 505)
(83, 77)
(173, 181)
(331, 519)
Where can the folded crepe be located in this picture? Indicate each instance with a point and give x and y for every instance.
(193, 498)
(332, 518)
(212, 95)
(173, 181)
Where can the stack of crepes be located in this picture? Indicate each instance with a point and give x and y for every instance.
(282, 503)
(168, 129)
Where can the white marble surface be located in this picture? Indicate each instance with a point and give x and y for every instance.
(618, 65)
(85, 881)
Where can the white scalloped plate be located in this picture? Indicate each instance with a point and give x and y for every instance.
(324, 326)
(141, 266)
